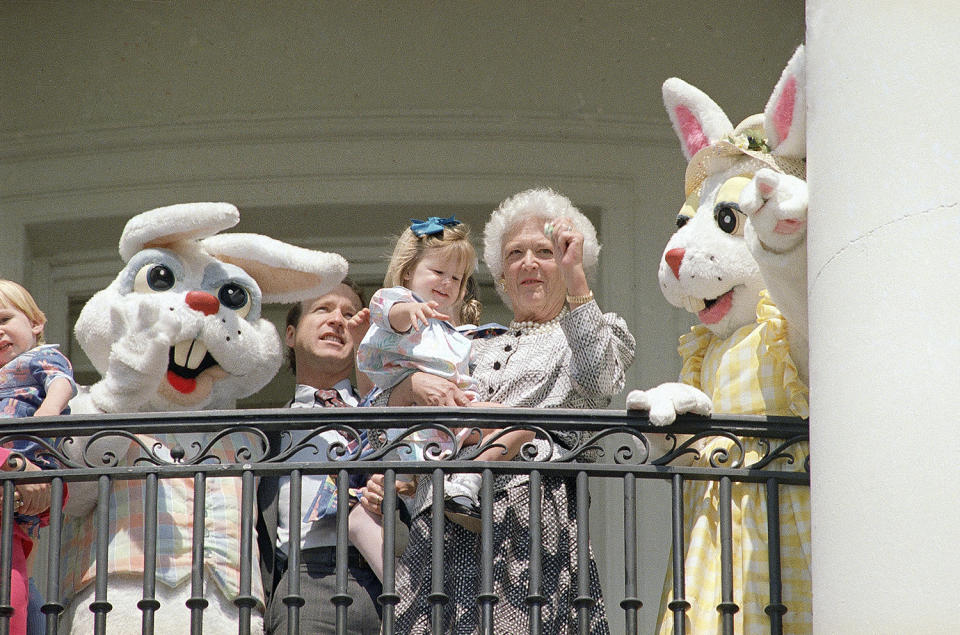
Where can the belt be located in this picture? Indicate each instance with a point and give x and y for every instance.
(327, 557)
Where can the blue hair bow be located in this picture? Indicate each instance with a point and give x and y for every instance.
(431, 226)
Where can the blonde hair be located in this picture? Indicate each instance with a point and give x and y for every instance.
(454, 240)
(13, 296)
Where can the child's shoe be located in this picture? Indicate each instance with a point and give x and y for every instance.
(464, 512)
(461, 500)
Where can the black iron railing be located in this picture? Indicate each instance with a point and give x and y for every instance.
(611, 445)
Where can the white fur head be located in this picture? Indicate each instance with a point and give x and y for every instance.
(706, 267)
(198, 299)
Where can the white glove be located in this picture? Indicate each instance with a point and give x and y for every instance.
(143, 335)
(666, 401)
(776, 205)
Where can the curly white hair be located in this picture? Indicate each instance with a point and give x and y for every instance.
(541, 203)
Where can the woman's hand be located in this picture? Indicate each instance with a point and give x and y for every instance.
(372, 500)
(29, 498)
(568, 252)
(424, 389)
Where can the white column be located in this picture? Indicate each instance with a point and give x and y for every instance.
(884, 282)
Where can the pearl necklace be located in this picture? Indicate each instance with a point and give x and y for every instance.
(533, 328)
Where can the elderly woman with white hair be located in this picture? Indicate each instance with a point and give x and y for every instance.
(561, 351)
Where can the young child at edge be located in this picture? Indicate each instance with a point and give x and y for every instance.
(414, 324)
(35, 380)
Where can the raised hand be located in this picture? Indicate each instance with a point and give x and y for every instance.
(568, 252)
(567, 242)
(143, 335)
(776, 205)
(358, 324)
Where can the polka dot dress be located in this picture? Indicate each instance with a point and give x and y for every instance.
(579, 363)
(511, 569)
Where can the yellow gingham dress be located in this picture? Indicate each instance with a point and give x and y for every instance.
(750, 372)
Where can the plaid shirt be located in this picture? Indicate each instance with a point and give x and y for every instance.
(750, 372)
(222, 522)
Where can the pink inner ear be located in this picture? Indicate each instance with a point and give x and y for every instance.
(783, 113)
(693, 136)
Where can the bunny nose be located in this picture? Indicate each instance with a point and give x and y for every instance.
(203, 302)
(674, 257)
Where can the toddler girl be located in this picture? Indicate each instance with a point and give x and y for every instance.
(35, 380)
(417, 323)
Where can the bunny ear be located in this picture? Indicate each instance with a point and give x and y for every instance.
(166, 225)
(285, 273)
(697, 119)
(785, 117)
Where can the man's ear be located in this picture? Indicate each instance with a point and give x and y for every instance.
(290, 335)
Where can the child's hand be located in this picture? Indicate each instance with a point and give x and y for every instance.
(414, 315)
(30, 498)
(359, 324)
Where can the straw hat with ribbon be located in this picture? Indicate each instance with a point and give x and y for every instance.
(749, 139)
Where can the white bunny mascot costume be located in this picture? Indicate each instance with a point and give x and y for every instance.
(741, 243)
(180, 328)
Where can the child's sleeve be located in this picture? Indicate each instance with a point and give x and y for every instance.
(49, 364)
(383, 300)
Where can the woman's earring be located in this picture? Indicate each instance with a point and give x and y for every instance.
(501, 284)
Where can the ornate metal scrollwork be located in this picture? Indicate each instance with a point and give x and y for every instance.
(437, 441)
(45, 449)
(542, 447)
(108, 448)
(693, 446)
(345, 447)
(747, 446)
(779, 453)
(622, 454)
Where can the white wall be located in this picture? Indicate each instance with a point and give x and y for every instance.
(884, 306)
(302, 113)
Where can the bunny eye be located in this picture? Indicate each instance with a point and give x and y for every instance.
(682, 219)
(235, 297)
(154, 278)
(729, 218)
